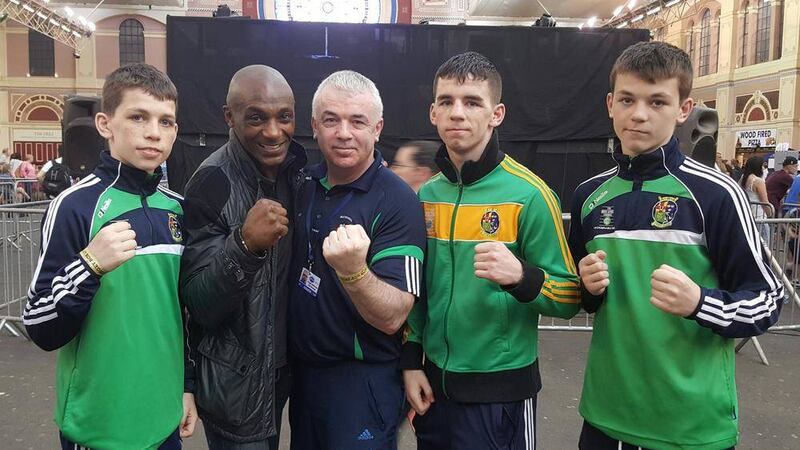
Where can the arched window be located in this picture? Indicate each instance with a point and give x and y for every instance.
(763, 30)
(690, 43)
(705, 43)
(745, 25)
(131, 42)
(41, 55)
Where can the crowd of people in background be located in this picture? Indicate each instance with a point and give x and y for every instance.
(18, 178)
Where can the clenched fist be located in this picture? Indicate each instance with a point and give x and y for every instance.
(113, 245)
(345, 249)
(265, 224)
(673, 291)
(495, 262)
(594, 272)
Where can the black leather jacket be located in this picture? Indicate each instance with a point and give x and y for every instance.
(230, 292)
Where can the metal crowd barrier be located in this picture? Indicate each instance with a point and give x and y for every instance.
(20, 227)
(22, 190)
(20, 234)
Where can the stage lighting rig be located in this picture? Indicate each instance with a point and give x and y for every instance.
(41, 18)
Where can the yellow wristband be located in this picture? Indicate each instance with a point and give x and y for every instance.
(92, 263)
(352, 278)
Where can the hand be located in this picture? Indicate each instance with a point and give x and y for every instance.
(673, 291)
(345, 249)
(594, 272)
(495, 262)
(189, 419)
(265, 224)
(418, 390)
(113, 245)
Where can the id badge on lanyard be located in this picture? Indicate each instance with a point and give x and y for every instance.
(309, 281)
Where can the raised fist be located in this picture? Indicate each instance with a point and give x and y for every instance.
(673, 291)
(495, 262)
(345, 249)
(265, 224)
(594, 272)
(113, 245)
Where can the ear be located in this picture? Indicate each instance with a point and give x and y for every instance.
(498, 114)
(378, 129)
(314, 126)
(101, 123)
(686, 109)
(226, 111)
(609, 104)
(432, 115)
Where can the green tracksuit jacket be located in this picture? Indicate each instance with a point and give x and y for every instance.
(480, 338)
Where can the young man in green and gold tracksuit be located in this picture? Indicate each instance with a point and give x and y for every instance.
(497, 259)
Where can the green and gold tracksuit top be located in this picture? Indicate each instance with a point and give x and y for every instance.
(120, 369)
(480, 338)
(654, 379)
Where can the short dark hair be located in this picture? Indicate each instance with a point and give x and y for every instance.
(425, 154)
(136, 76)
(655, 61)
(474, 65)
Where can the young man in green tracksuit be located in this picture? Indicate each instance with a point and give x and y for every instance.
(105, 290)
(497, 259)
(671, 261)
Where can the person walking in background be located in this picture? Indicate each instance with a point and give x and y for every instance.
(778, 183)
(753, 183)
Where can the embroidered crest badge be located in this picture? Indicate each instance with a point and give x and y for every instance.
(174, 227)
(490, 222)
(430, 216)
(664, 211)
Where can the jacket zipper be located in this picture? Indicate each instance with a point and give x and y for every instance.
(452, 278)
(268, 359)
(271, 342)
(145, 208)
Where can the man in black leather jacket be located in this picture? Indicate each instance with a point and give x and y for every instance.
(235, 264)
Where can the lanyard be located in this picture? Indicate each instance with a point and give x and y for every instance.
(325, 221)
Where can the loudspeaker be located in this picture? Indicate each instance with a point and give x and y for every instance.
(701, 122)
(705, 151)
(81, 143)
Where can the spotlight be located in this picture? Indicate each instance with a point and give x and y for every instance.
(545, 21)
(222, 11)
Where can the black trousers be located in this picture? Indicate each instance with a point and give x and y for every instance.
(450, 425)
(594, 439)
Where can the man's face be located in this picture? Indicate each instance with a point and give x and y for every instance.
(346, 129)
(262, 117)
(141, 130)
(407, 169)
(791, 168)
(464, 114)
(645, 114)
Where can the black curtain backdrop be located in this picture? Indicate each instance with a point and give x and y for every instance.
(554, 83)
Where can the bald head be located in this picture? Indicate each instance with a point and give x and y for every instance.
(256, 80)
(260, 111)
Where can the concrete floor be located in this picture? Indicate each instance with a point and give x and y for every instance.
(769, 396)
